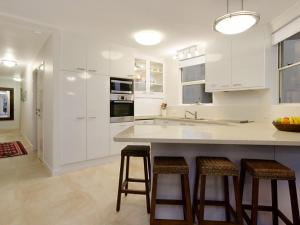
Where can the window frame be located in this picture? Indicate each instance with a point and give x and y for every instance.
(282, 68)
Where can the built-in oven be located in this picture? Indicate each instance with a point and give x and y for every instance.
(121, 108)
(121, 86)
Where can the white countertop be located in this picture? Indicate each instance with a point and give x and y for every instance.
(204, 133)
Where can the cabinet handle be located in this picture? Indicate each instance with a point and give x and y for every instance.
(92, 117)
(80, 117)
(237, 84)
(225, 85)
(80, 68)
(92, 71)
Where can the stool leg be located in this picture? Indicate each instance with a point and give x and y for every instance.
(127, 173)
(238, 201)
(255, 191)
(195, 195)
(146, 184)
(226, 198)
(120, 184)
(274, 202)
(200, 213)
(187, 199)
(242, 178)
(294, 202)
(183, 195)
(153, 200)
(149, 170)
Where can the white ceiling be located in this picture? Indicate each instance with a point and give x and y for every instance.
(18, 42)
(183, 22)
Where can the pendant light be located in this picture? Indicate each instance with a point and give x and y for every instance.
(236, 22)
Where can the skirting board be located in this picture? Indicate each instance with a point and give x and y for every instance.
(83, 165)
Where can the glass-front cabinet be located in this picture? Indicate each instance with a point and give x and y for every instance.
(149, 78)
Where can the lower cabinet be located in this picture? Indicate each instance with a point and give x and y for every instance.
(115, 128)
(85, 116)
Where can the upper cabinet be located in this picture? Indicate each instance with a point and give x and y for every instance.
(121, 61)
(74, 50)
(239, 62)
(149, 78)
(98, 58)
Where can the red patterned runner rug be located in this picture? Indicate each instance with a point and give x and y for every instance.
(11, 149)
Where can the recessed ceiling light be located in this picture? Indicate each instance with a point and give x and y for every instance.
(37, 32)
(236, 22)
(8, 63)
(148, 37)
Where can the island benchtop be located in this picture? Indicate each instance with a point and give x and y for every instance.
(234, 134)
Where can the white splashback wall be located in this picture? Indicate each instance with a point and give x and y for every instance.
(147, 106)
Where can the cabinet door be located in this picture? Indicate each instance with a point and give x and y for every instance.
(98, 58)
(73, 117)
(97, 116)
(218, 64)
(156, 77)
(115, 128)
(121, 61)
(74, 51)
(248, 59)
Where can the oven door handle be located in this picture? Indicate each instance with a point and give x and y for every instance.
(122, 101)
(121, 82)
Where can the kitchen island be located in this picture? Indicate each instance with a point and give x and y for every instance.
(232, 140)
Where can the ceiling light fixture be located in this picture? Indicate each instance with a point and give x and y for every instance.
(148, 37)
(8, 63)
(236, 22)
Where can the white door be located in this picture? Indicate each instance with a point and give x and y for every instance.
(121, 61)
(248, 59)
(98, 58)
(74, 50)
(39, 112)
(218, 64)
(73, 117)
(97, 116)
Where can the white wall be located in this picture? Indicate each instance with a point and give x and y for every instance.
(9, 83)
(46, 55)
(147, 106)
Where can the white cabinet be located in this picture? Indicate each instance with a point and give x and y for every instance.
(85, 116)
(149, 77)
(241, 62)
(218, 64)
(97, 116)
(116, 128)
(73, 118)
(98, 58)
(73, 52)
(121, 61)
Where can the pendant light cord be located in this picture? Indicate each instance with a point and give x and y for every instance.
(227, 6)
(242, 5)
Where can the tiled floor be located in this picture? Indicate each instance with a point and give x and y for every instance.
(29, 196)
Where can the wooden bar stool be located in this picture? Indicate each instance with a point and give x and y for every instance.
(172, 165)
(274, 171)
(216, 166)
(135, 151)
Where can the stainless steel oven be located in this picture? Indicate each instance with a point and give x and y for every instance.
(121, 108)
(121, 86)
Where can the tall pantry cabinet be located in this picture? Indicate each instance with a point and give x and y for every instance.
(84, 100)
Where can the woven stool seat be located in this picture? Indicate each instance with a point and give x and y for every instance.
(170, 165)
(136, 150)
(216, 166)
(268, 169)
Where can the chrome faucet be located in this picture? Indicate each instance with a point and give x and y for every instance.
(195, 114)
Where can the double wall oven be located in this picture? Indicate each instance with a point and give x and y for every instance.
(121, 100)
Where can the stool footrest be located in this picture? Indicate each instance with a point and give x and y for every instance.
(214, 222)
(170, 222)
(264, 208)
(169, 202)
(136, 180)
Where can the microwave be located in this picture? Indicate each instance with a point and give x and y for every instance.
(121, 86)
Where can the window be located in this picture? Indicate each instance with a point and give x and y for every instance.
(193, 85)
(289, 70)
